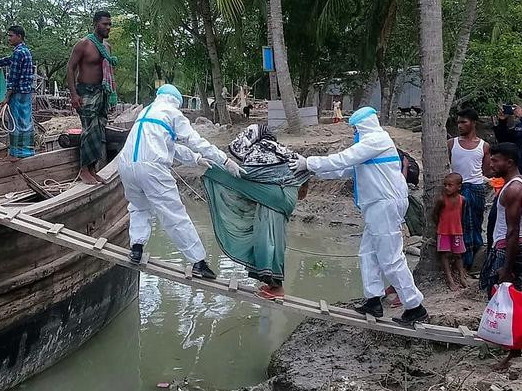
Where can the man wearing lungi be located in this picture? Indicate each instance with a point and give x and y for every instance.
(91, 83)
(19, 95)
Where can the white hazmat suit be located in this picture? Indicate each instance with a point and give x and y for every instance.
(381, 192)
(145, 171)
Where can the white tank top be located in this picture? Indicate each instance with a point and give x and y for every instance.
(468, 162)
(500, 231)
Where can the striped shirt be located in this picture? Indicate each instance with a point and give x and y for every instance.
(20, 64)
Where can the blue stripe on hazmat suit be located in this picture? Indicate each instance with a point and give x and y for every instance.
(160, 135)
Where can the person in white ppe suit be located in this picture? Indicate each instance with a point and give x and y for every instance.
(380, 191)
(160, 135)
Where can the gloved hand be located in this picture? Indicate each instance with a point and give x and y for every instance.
(298, 164)
(203, 162)
(233, 168)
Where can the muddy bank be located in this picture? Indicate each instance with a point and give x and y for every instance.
(322, 355)
(325, 356)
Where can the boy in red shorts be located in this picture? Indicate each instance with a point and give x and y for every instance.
(448, 217)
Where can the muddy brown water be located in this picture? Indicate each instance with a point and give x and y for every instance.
(201, 340)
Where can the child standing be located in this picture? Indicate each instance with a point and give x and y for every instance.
(448, 217)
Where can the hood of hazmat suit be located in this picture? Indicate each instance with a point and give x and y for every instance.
(159, 127)
(372, 160)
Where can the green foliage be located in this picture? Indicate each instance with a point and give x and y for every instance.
(493, 69)
(493, 72)
(325, 40)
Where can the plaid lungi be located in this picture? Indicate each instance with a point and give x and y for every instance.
(489, 273)
(21, 140)
(472, 220)
(93, 114)
(496, 260)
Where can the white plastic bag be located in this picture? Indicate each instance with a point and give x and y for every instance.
(500, 322)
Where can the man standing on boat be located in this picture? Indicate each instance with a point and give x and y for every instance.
(160, 135)
(91, 83)
(19, 95)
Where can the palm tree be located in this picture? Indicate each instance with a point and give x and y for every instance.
(212, 47)
(272, 75)
(283, 72)
(459, 55)
(171, 15)
(433, 121)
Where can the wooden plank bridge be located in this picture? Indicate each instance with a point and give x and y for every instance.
(102, 249)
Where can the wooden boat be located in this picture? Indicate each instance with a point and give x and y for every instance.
(52, 300)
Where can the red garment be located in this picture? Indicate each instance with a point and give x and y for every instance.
(450, 221)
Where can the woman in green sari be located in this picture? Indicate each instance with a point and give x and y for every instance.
(250, 214)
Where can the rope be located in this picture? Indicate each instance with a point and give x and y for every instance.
(322, 254)
(5, 117)
(50, 185)
(186, 184)
(288, 247)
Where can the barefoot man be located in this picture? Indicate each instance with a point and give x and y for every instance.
(91, 82)
(504, 262)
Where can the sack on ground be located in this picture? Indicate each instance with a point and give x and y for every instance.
(501, 322)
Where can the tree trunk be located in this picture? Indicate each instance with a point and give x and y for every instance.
(459, 56)
(221, 104)
(386, 95)
(434, 146)
(398, 84)
(304, 86)
(272, 75)
(367, 91)
(205, 107)
(283, 73)
(386, 87)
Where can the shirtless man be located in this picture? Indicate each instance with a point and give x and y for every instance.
(85, 77)
(469, 157)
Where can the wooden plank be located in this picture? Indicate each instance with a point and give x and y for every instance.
(55, 229)
(100, 243)
(9, 214)
(466, 332)
(421, 330)
(188, 272)
(232, 285)
(40, 161)
(61, 173)
(305, 307)
(324, 307)
(34, 186)
(145, 258)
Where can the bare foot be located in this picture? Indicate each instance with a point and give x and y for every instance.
(87, 178)
(271, 293)
(100, 179)
(464, 281)
(12, 159)
(452, 286)
(504, 364)
(96, 176)
(277, 291)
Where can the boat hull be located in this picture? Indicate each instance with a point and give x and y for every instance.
(52, 299)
